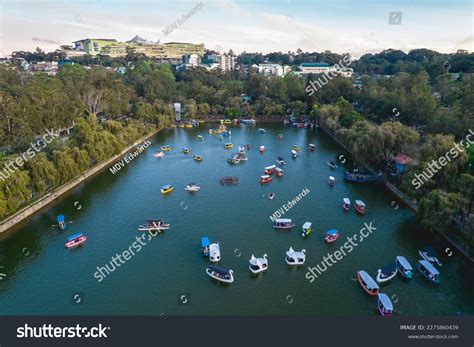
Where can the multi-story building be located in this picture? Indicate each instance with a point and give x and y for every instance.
(168, 51)
(226, 61)
(323, 68)
(273, 69)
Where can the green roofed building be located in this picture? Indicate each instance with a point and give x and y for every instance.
(93, 46)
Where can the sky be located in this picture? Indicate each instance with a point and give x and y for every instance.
(341, 26)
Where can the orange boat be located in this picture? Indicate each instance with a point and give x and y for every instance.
(265, 179)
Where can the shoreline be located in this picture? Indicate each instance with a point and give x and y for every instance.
(28, 211)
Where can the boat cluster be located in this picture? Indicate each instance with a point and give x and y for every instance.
(72, 241)
(256, 265)
(402, 266)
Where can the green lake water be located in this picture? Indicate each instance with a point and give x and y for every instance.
(167, 276)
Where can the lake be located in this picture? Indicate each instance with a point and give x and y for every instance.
(167, 276)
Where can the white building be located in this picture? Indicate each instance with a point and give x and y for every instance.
(192, 59)
(226, 61)
(324, 68)
(273, 69)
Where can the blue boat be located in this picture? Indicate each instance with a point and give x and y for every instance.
(429, 271)
(205, 246)
(61, 222)
(404, 267)
(357, 177)
(75, 236)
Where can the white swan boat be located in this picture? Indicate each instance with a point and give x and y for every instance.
(295, 258)
(386, 273)
(159, 154)
(214, 252)
(219, 274)
(258, 265)
(192, 187)
(429, 254)
(154, 225)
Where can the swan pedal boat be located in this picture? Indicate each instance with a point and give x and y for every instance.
(258, 265)
(295, 258)
(219, 274)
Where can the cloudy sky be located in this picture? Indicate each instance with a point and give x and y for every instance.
(243, 25)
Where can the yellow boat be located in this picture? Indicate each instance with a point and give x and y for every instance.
(181, 126)
(166, 148)
(188, 125)
(201, 121)
(227, 121)
(197, 158)
(295, 148)
(185, 150)
(228, 145)
(173, 126)
(166, 189)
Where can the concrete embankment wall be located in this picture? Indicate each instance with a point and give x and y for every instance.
(28, 211)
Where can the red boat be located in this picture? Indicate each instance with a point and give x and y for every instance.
(270, 170)
(331, 236)
(265, 179)
(367, 283)
(312, 147)
(262, 149)
(279, 172)
(359, 207)
(75, 240)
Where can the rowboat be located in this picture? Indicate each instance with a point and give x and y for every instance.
(429, 271)
(346, 204)
(360, 207)
(75, 240)
(258, 265)
(205, 246)
(192, 187)
(265, 179)
(429, 254)
(404, 267)
(228, 145)
(386, 273)
(166, 189)
(61, 222)
(219, 274)
(214, 252)
(384, 305)
(154, 225)
(331, 236)
(295, 258)
(229, 180)
(279, 172)
(306, 229)
(367, 283)
(166, 148)
(283, 223)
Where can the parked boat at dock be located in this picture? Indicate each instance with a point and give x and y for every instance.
(386, 273)
(283, 223)
(295, 258)
(367, 282)
(214, 252)
(429, 254)
(219, 274)
(75, 240)
(258, 265)
(359, 177)
(404, 267)
(384, 305)
(429, 271)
